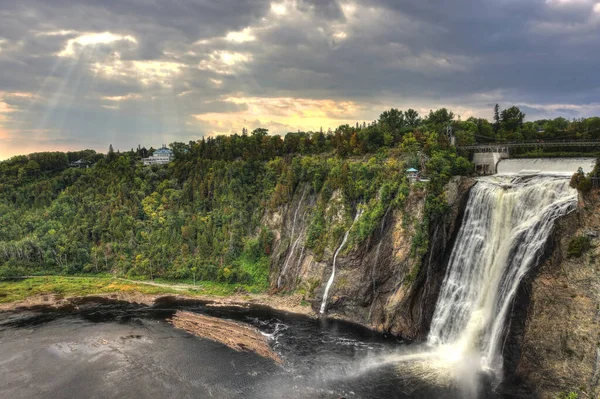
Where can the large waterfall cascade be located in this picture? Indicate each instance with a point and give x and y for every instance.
(506, 225)
(332, 277)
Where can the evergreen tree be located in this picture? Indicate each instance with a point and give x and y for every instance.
(496, 118)
(111, 156)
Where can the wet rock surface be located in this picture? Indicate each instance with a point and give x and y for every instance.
(237, 336)
(554, 341)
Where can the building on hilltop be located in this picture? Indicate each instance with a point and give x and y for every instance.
(82, 163)
(162, 156)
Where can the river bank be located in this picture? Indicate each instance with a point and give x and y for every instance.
(59, 292)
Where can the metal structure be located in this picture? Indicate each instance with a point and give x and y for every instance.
(503, 147)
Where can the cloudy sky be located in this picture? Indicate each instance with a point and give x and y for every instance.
(86, 73)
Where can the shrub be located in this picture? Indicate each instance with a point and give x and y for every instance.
(11, 269)
(581, 182)
(577, 246)
(568, 395)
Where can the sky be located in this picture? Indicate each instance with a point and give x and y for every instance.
(78, 74)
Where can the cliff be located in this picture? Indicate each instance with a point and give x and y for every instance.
(388, 283)
(554, 348)
(383, 282)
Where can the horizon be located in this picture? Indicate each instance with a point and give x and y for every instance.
(130, 72)
(167, 145)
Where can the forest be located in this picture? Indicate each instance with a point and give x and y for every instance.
(200, 217)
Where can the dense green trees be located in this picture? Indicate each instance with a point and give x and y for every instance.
(201, 216)
(510, 126)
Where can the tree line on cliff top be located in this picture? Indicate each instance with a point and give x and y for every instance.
(201, 216)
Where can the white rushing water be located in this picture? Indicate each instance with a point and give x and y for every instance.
(332, 277)
(505, 227)
(295, 243)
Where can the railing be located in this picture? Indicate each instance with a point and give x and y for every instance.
(502, 147)
(596, 182)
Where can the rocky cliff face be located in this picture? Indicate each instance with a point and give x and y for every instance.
(379, 283)
(553, 345)
(553, 341)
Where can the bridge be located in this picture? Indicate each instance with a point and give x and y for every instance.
(501, 147)
(487, 156)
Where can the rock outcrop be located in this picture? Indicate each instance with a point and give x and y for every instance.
(380, 283)
(554, 344)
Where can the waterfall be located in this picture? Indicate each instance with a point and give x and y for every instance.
(505, 227)
(287, 260)
(300, 258)
(331, 278)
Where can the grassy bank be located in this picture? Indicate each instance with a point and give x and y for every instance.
(17, 290)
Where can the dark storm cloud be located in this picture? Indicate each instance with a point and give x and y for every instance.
(139, 70)
(329, 9)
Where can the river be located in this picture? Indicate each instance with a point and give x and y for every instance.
(127, 351)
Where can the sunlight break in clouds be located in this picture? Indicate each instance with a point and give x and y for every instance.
(286, 113)
(242, 36)
(225, 62)
(279, 8)
(91, 39)
(4, 110)
(146, 72)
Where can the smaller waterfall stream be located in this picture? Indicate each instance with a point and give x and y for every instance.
(332, 277)
(301, 258)
(287, 260)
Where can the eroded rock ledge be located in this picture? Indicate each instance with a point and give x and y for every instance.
(237, 336)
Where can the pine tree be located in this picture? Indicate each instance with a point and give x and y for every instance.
(111, 156)
(496, 118)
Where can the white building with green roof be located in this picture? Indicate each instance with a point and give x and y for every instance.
(162, 156)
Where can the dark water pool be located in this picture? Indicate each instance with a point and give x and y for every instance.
(125, 351)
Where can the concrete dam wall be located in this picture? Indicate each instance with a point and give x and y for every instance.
(566, 166)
